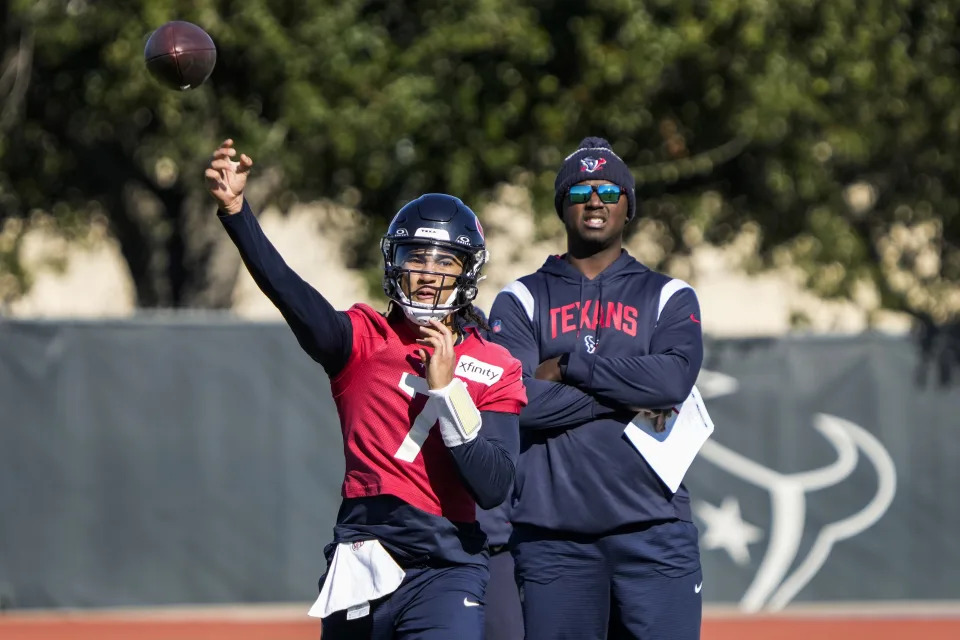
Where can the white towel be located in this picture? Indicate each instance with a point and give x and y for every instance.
(360, 572)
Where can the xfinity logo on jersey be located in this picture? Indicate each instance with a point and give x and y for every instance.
(571, 317)
(478, 371)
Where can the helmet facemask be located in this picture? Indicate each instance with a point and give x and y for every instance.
(430, 279)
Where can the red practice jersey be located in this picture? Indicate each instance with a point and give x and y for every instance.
(390, 443)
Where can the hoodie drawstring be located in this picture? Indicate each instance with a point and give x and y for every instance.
(598, 313)
(580, 308)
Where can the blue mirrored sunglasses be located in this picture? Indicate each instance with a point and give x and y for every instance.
(608, 193)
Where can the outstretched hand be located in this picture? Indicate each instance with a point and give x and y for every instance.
(440, 363)
(226, 178)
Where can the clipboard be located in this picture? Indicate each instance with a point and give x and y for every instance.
(671, 452)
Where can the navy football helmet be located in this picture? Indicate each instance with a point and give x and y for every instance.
(444, 223)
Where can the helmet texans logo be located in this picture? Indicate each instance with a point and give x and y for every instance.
(592, 164)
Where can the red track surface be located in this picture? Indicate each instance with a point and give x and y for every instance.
(294, 625)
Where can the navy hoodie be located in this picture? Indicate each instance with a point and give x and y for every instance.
(634, 340)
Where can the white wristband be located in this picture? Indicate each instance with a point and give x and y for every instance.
(457, 415)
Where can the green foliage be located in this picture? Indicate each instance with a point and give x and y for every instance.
(784, 109)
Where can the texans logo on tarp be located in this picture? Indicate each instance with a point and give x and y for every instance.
(766, 529)
(592, 164)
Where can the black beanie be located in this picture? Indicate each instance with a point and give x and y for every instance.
(594, 160)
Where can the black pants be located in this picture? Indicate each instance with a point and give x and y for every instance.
(503, 617)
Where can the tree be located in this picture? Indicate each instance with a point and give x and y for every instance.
(829, 126)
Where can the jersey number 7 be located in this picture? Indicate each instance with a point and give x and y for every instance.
(413, 441)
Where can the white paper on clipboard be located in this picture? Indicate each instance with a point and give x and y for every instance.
(671, 452)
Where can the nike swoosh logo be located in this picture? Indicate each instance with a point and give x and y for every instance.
(694, 318)
(469, 603)
(697, 588)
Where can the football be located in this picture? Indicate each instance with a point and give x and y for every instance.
(180, 55)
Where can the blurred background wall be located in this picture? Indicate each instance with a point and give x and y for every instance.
(182, 461)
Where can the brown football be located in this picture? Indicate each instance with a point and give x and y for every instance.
(180, 55)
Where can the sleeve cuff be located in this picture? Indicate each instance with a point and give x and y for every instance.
(245, 210)
(579, 369)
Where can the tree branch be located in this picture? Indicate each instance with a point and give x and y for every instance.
(15, 80)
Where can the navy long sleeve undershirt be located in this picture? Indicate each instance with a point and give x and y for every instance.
(323, 332)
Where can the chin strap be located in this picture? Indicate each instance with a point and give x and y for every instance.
(422, 314)
(457, 415)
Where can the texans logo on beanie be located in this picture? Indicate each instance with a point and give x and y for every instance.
(594, 160)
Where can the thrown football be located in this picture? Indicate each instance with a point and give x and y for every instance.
(180, 55)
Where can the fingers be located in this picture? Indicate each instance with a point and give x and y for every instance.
(438, 336)
(245, 163)
(659, 422)
(434, 326)
(226, 150)
(221, 161)
(436, 342)
(223, 164)
(658, 417)
(225, 177)
(214, 179)
(440, 363)
(437, 328)
(431, 331)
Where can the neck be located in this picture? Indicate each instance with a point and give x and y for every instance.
(592, 259)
